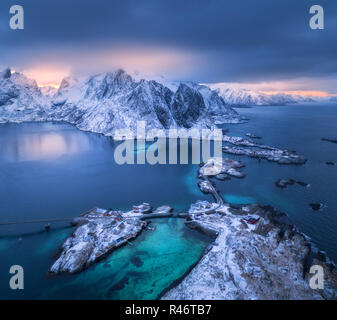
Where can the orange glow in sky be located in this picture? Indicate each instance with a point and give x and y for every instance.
(302, 87)
(159, 62)
(304, 93)
(47, 75)
(143, 60)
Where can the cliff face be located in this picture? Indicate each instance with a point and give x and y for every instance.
(110, 101)
(21, 99)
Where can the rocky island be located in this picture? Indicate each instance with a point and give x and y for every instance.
(257, 254)
(329, 140)
(253, 136)
(98, 233)
(261, 151)
(316, 206)
(222, 166)
(279, 156)
(284, 183)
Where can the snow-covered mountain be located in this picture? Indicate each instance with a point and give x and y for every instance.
(106, 102)
(215, 104)
(234, 96)
(20, 98)
(48, 91)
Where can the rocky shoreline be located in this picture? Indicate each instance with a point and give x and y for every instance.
(257, 254)
(99, 232)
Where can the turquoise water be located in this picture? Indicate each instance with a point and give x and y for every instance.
(297, 128)
(54, 170)
(140, 270)
(235, 199)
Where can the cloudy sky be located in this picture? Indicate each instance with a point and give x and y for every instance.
(260, 44)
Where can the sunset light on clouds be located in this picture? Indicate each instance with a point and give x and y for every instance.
(304, 93)
(47, 75)
(303, 87)
(281, 58)
(149, 62)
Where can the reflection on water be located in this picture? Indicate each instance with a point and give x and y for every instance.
(41, 146)
(70, 185)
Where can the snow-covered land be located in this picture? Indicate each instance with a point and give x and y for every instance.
(98, 233)
(21, 99)
(224, 166)
(261, 151)
(110, 101)
(257, 255)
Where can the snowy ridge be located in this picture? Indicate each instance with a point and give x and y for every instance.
(110, 101)
(244, 97)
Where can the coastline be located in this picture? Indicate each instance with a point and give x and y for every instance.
(191, 269)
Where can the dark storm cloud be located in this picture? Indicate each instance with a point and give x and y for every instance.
(236, 40)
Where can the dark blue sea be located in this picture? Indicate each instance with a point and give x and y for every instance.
(52, 170)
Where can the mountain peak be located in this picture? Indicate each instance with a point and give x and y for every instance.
(106, 102)
(6, 74)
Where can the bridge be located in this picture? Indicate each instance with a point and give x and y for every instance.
(214, 193)
(35, 221)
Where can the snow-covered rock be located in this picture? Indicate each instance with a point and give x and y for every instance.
(216, 106)
(99, 233)
(21, 99)
(275, 155)
(225, 166)
(48, 91)
(263, 257)
(262, 151)
(106, 102)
